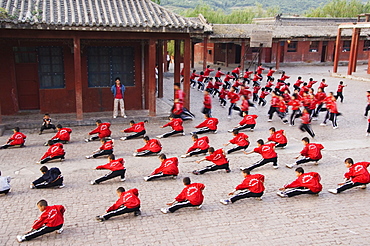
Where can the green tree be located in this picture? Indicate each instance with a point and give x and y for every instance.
(340, 8)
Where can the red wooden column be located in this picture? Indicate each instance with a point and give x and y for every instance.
(192, 54)
(337, 51)
(242, 56)
(205, 52)
(176, 73)
(78, 77)
(227, 55)
(355, 54)
(186, 84)
(151, 78)
(352, 52)
(160, 68)
(278, 54)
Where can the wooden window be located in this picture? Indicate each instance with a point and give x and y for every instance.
(346, 46)
(51, 67)
(25, 54)
(314, 46)
(292, 46)
(107, 63)
(366, 45)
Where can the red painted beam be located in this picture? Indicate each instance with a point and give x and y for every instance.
(151, 78)
(78, 77)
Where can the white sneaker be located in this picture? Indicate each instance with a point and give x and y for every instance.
(21, 238)
(61, 159)
(224, 201)
(276, 167)
(314, 118)
(134, 154)
(114, 117)
(229, 130)
(215, 132)
(123, 180)
(174, 177)
(335, 127)
(290, 165)
(88, 156)
(146, 178)
(269, 120)
(123, 138)
(60, 231)
(38, 162)
(281, 194)
(334, 191)
(92, 182)
(316, 163)
(229, 117)
(32, 186)
(183, 133)
(87, 140)
(184, 156)
(125, 116)
(367, 134)
(159, 136)
(164, 210)
(323, 124)
(242, 168)
(290, 125)
(252, 130)
(61, 186)
(259, 198)
(199, 207)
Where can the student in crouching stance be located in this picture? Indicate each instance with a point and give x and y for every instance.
(50, 178)
(116, 167)
(168, 167)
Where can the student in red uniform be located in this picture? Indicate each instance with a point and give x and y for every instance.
(331, 106)
(208, 125)
(244, 106)
(218, 75)
(267, 151)
(192, 78)
(51, 219)
(340, 91)
(357, 175)
(368, 128)
(367, 109)
(105, 149)
(310, 152)
(259, 70)
(128, 202)
(55, 151)
(257, 78)
(219, 160)
(210, 86)
(275, 106)
(190, 196)
(311, 82)
(223, 93)
(296, 104)
(207, 72)
(137, 128)
(284, 76)
(200, 146)
(234, 98)
(16, 140)
(200, 81)
(278, 137)
(168, 167)
(116, 167)
(207, 103)
(255, 93)
(323, 85)
(241, 141)
(297, 84)
(249, 121)
(62, 136)
(176, 125)
(216, 87)
(246, 76)
(306, 183)
(270, 73)
(306, 123)
(102, 130)
(252, 186)
(320, 98)
(152, 146)
(50, 178)
(46, 124)
(236, 72)
(262, 97)
(227, 80)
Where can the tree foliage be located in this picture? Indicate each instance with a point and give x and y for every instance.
(340, 8)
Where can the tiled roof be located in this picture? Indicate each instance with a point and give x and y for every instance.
(119, 15)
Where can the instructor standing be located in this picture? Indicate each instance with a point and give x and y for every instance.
(118, 90)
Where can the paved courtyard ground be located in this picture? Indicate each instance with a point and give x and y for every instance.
(328, 219)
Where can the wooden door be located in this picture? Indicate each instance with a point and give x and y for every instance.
(27, 86)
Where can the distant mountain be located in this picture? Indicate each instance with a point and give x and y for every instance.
(286, 6)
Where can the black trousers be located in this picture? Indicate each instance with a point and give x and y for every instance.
(233, 107)
(272, 110)
(200, 86)
(237, 148)
(44, 185)
(318, 109)
(204, 130)
(263, 162)
(222, 101)
(138, 134)
(57, 140)
(51, 158)
(146, 152)
(173, 132)
(279, 145)
(333, 119)
(198, 151)
(368, 128)
(207, 111)
(340, 95)
(228, 84)
(298, 191)
(103, 152)
(307, 128)
(214, 167)
(305, 160)
(41, 231)
(5, 191)
(348, 185)
(158, 175)
(5, 146)
(255, 97)
(244, 194)
(367, 109)
(119, 211)
(47, 126)
(262, 101)
(251, 126)
(111, 175)
(179, 205)
(235, 75)
(294, 115)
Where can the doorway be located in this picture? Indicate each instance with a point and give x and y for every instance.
(324, 51)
